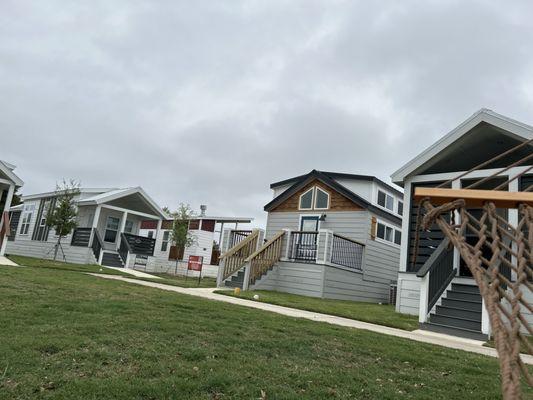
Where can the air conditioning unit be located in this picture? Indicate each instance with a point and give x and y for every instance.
(393, 290)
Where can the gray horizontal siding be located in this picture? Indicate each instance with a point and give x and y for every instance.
(342, 284)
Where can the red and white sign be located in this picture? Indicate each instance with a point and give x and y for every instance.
(195, 263)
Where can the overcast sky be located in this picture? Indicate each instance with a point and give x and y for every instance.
(209, 102)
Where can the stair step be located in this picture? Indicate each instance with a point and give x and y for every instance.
(457, 295)
(455, 322)
(458, 312)
(112, 260)
(450, 330)
(233, 284)
(465, 288)
(465, 304)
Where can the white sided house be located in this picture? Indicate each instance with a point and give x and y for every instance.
(9, 182)
(207, 242)
(107, 233)
(434, 283)
(328, 235)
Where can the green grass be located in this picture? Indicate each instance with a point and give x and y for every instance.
(64, 266)
(67, 335)
(367, 312)
(93, 268)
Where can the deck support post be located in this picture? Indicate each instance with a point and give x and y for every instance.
(485, 319)
(424, 298)
(220, 273)
(246, 281)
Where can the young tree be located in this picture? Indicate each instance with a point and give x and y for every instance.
(179, 234)
(62, 218)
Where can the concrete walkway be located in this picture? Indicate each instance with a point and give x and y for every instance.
(452, 342)
(6, 261)
(135, 272)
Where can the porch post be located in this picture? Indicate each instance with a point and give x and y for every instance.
(122, 226)
(95, 223)
(456, 255)
(158, 228)
(220, 236)
(7, 206)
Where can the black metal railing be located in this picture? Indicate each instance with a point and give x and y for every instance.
(347, 252)
(303, 246)
(81, 237)
(236, 237)
(140, 245)
(441, 272)
(97, 244)
(124, 248)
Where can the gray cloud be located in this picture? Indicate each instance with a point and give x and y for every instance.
(209, 102)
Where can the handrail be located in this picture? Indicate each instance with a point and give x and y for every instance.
(124, 248)
(347, 238)
(240, 245)
(259, 251)
(264, 258)
(431, 262)
(235, 258)
(97, 244)
(346, 252)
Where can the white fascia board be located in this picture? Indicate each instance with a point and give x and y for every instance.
(7, 169)
(514, 128)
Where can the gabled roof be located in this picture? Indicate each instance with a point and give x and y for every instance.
(7, 169)
(119, 193)
(51, 194)
(510, 127)
(323, 177)
(338, 175)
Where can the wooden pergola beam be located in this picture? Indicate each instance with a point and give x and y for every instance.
(475, 198)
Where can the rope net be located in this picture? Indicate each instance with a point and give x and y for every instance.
(499, 256)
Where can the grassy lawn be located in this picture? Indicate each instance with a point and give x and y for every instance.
(42, 263)
(166, 278)
(368, 312)
(74, 336)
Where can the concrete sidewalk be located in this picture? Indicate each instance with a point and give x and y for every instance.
(134, 272)
(452, 342)
(6, 261)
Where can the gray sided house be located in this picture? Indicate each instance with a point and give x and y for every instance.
(107, 232)
(449, 302)
(328, 235)
(9, 182)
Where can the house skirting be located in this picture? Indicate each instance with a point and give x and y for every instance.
(159, 266)
(322, 281)
(37, 249)
(408, 295)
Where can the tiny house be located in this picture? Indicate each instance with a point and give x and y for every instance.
(328, 235)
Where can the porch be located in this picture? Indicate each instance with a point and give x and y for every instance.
(110, 227)
(312, 263)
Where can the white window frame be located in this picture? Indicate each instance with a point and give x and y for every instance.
(312, 190)
(394, 229)
(309, 215)
(315, 197)
(165, 242)
(115, 230)
(27, 211)
(395, 200)
(398, 201)
(132, 226)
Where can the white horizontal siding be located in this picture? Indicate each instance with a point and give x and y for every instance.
(408, 298)
(32, 248)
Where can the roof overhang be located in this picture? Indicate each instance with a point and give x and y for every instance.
(510, 127)
(121, 193)
(332, 184)
(7, 170)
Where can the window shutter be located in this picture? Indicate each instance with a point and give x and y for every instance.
(373, 225)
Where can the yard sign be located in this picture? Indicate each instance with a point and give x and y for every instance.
(195, 264)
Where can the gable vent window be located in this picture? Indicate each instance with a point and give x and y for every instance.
(321, 199)
(385, 200)
(306, 200)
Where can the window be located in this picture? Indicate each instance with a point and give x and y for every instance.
(385, 200)
(388, 233)
(306, 200)
(150, 234)
(164, 243)
(400, 207)
(25, 225)
(128, 228)
(111, 229)
(321, 199)
(397, 237)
